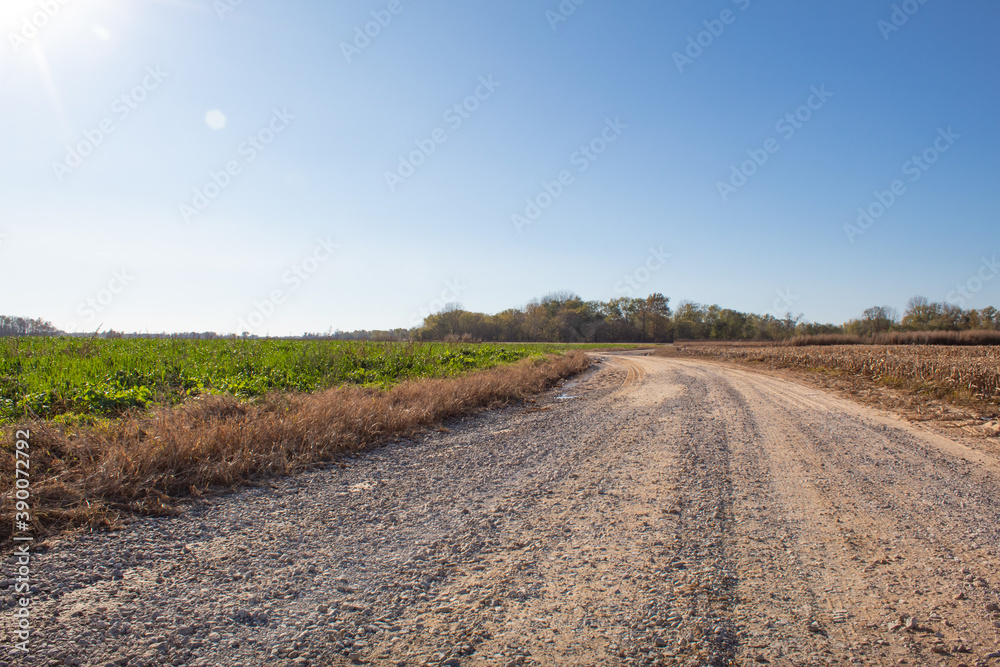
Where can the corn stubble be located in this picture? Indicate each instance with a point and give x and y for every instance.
(146, 463)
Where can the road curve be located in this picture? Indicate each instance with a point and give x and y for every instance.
(654, 512)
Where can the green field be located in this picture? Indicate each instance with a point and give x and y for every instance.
(69, 379)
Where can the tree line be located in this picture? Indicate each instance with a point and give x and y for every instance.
(566, 318)
(922, 314)
(24, 326)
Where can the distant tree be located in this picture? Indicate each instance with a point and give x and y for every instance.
(875, 320)
(689, 321)
(24, 326)
(990, 317)
(814, 329)
(658, 327)
(919, 314)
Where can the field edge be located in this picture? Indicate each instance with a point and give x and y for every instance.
(96, 477)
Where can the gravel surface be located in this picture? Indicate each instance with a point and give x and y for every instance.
(653, 512)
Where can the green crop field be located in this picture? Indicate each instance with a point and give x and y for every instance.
(69, 379)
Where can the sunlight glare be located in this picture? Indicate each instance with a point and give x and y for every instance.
(50, 88)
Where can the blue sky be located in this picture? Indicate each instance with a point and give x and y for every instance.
(218, 165)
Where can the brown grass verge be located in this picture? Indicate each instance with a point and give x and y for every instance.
(148, 463)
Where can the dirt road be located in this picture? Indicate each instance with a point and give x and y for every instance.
(655, 512)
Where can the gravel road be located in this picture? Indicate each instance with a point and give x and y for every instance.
(653, 512)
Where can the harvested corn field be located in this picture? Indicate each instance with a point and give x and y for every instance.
(971, 371)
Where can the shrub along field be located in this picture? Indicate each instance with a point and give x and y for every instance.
(71, 378)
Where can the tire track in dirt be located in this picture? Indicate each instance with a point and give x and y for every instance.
(848, 486)
(634, 372)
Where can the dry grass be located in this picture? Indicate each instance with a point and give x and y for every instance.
(147, 463)
(972, 337)
(825, 339)
(726, 343)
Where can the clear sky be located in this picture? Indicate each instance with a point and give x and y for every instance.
(178, 165)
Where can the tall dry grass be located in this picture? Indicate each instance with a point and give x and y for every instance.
(971, 337)
(825, 339)
(145, 463)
